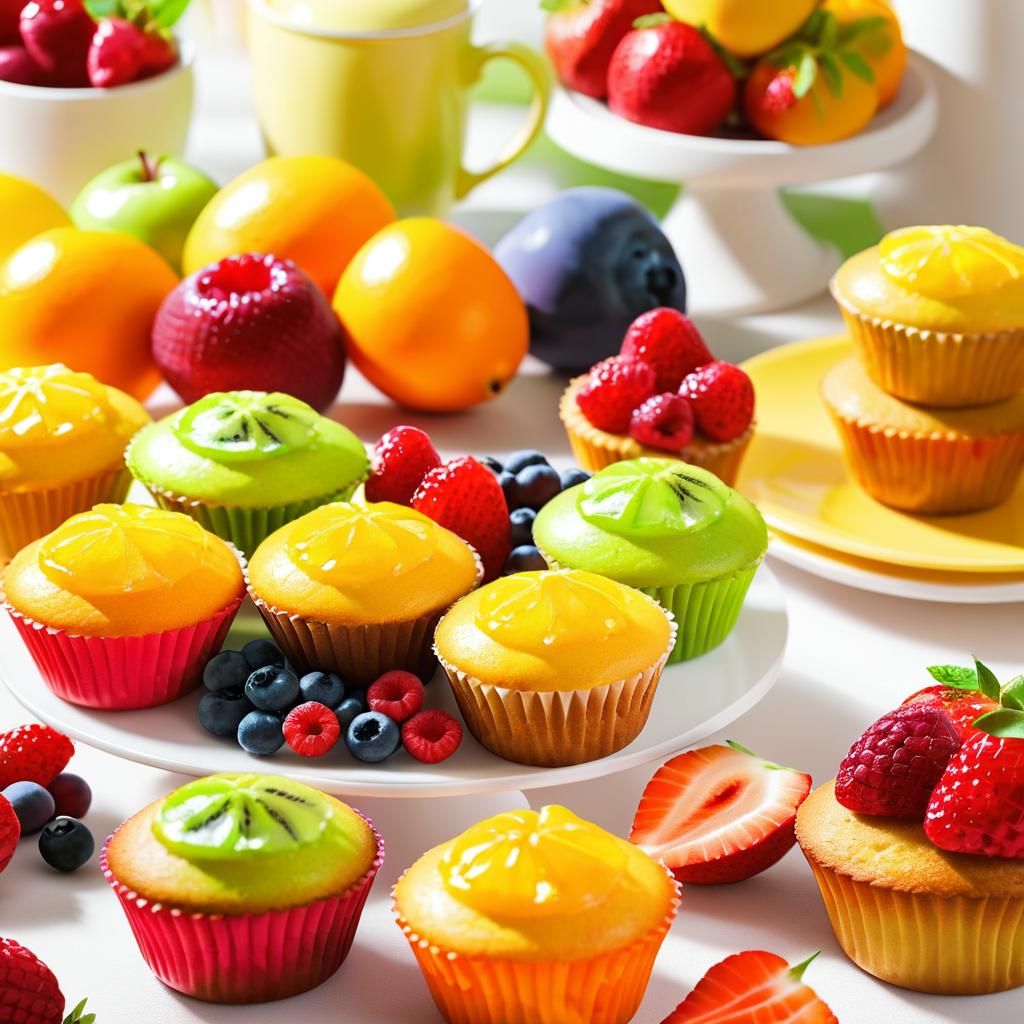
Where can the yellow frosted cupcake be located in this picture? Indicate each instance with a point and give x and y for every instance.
(925, 460)
(122, 606)
(536, 918)
(62, 439)
(938, 314)
(358, 589)
(555, 668)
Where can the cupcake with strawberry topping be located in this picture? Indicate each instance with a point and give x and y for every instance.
(917, 845)
(664, 394)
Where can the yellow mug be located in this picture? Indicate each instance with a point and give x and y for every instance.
(391, 100)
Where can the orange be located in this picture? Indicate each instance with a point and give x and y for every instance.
(87, 299)
(883, 47)
(432, 320)
(25, 211)
(315, 210)
(746, 28)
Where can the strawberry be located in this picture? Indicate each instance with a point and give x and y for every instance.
(57, 34)
(664, 422)
(667, 75)
(669, 343)
(961, 707)
(894, 766)
(722, 396)
(464, 496)
(33, 753)
(10, 832)
(582, 35)
(401, 459)
(10, 13)
(123, 52)
(753, 988)
(614, 389)
(17, 65)
(719, 814)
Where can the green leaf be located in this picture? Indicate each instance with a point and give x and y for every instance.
(102, 8)
(765, 764)
(554, 6)
(797, 972)
(954, 676)
(860, 27)
(1012, 694)
(833, 74)
(76, 1017)
(811, 28)
(787, 56)
(1007, 724)
(733, 65)
(987, 682)
(829, 30)
(165, 14)
(857, 65)
(806, 75)
(652, 20)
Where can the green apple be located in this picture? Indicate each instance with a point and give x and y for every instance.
(156, 201)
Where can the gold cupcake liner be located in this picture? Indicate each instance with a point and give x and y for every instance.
(595, 449)
(931, 474)
(936, 367)
(27, 515)
(943, 945)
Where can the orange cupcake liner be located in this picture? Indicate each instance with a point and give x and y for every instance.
(603, 989)
(931, 474)
(943, 945)
(26, 516)
(935, 367)
(595, 449)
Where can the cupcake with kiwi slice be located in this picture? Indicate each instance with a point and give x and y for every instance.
(244, 463)
(243, 888)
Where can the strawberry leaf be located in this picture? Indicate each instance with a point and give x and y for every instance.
(652, 20)
(833, 74)
(954, 676)
(102, 8)
(797, 972)
(554, 6)
(77, 1015)
(1006, 724)
(857, 65)
(806, 75)
(987, 682)
(164, 14)
(1012, 695)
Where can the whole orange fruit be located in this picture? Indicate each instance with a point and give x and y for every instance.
(87, 299)
(432, 320)
(881, 46)
(25, 211)
(314, 210)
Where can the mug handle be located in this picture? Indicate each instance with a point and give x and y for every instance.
(536, 67)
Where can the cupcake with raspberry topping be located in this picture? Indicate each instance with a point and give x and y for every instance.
(664, 394)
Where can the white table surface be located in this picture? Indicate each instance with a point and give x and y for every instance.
(852, 656)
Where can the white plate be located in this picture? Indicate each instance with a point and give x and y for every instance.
(693, 701)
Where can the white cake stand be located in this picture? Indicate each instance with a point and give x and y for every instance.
(740, 248)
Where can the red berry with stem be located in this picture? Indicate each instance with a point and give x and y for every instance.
(401, 459)
(613, 390)
(311, 729)
(397, 694)
(431, 736)
(664, 422)
(669, 343)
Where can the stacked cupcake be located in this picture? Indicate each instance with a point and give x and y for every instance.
(931, 416)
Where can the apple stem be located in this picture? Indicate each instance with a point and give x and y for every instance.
(149, 166)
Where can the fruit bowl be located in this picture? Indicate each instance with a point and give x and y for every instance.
(62, 138)
(740, 248)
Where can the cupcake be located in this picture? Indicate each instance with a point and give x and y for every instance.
(926, 460)
(122, 606)
(674, 531)
(244, 463)
(938, 314)
(554, 668)
(243, 888)
(536, 918)
(62, 438)
(358, 589)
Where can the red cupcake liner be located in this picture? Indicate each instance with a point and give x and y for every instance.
(246, 958)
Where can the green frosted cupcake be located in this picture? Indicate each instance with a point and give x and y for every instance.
(674, 531)
(244, 463)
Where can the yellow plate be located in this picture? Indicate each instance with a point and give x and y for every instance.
(795, 474)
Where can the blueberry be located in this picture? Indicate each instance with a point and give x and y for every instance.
(226, 671)
(508, 485)
(71, 795)
(373, 737)
(492, 464)
(573, 477)
(66, 844)
(33, 805)
(262, 652)
(272, 689)
(525, 558)
(521, 526)
(324, 687)
(222, 713)
(260, 733)
(537, 485)
(527, 457)
(348, 709)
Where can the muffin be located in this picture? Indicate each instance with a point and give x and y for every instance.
(122, 606)
(243, 888)
(938, 314)
(244, 463)
(674, 531)
(931, 461)
(554, 668)
(62, 438)
(536, 918)
(358, 589)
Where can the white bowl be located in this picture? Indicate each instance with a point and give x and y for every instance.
(61, 138)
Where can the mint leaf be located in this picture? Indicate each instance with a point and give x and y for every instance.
(1012, 695)
(987, 682)
(1007, 724)
(652, 20)
(833, 74)
(806, 75)
(954, 676)
(554, 6)
(165, 14)
(829, 30)
(857, 65)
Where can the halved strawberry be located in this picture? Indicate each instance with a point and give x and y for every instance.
(753, 988)
(719, 814)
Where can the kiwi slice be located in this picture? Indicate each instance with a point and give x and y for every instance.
(225, 816)
(246, 425)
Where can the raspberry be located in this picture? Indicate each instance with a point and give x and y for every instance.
(10, 832)
(779, 95)
(722, 397)
(33, 753)
(401, 459)
(664, 422)
(431, 736)
(397, 694)
(615, 388)
(668, 342)
(29, 993)
(311, 729)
